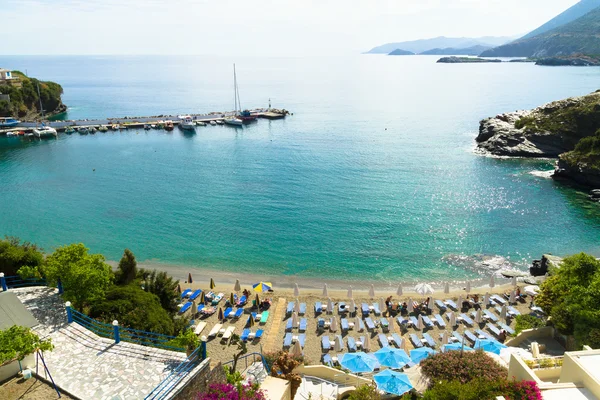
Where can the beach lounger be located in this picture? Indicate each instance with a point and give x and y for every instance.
(288, 325)
(327, 360)
(492, 328)
(195, 295)
(362, 342)
(385, 325)
(227, 312)
(498, 299)
(507, 328)
(483, 335)
(361, 326)
(318, 308)
(414, 322)
(341, 341)
(228, 332)
(245, 334)
(490, 315)
(342, 308)
(238, 313)
(320, 325)
(365, 309)
(458, 336)
(302, 308)
(290, 308)
(264, 317)
(303, 324)
(351, 344)
(345, 325)
(215, 330)
(427, 321)
(256, 316)
(217, 299)
(259, 334)
(414, 339)
(325, 343)
(370, 324)
(430, 341)
(451, 304)
(383, 340)
(185, 307)
(440, 305)
(287, 340)
(302, 339)
(200, 327)
(186, 293)
(376, 309)
(466, 319)
(513, 311)
(398, 341)
(470, 336)
(440, 321)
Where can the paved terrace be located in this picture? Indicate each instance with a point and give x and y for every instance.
(91, 367)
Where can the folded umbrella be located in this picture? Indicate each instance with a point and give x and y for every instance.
(399, 290)
(468, 288)
(296, 290)
(212, 283)
(325, 291)
(237, 287)
(492, 281)
(372, 291)
(410, 307)
(190, 277)
(350, 292)
(446, 288)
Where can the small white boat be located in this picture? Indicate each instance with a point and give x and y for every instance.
(44, 131)
(234, 122)
(213, 123)
(153, 126)
(186, 122)
(200, 123)
(220, 122)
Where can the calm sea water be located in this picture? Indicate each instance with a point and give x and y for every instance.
(373, 177)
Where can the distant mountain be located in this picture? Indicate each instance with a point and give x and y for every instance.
(451, 51)
(400, 52)
(581, 36)
(419, 46)
(571, 14)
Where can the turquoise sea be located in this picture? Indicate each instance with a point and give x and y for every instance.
(372, 178)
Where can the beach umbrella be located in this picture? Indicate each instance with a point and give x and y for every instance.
(220, 314)
(231, 299)
(179, 288)
(410, 306)
(190, 277)
(372, 291)
(430, 304)
(250, 322)
(257, 300)
(329, 306)
(503, 312)
(202, 297)
(212, 283)
(352, 306)
(325, 291)
(486, 299)
(446, 288)
(514, 281)
(237, 287)
(382, 307)
(392, 357)
(262, 287)
(478, 316)
(350, 292)
(459, 302)
(453, 319)
(512, 297)
(423, 289)
(296, 290)
(399, 290)
(492, 281)
(296, 350)
(456, 346)
(419, 322)
(337, 344)
(367, 343)
(297, 306)
(418, 355)
(334, 325)
(492, 346)
(295, 320)
(468, 288)
(194, 308)
(358, 362)
(357, 322)
(445, 338)
(393, 382)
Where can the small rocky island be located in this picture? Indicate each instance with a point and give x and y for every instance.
(400, 52)
(577, 60)
(466, 60)
(566, 129)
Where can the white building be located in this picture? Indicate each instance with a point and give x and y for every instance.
(5, 74)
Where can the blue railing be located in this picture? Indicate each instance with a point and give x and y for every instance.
(17, 282)
(99, 328)
(163, 389)
(254, 357)
(149, 339)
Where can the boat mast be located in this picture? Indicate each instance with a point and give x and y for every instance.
(40, 97)
(238, 103)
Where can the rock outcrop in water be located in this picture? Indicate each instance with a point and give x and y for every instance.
(567, 129)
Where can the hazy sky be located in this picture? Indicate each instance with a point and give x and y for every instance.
(262, 27)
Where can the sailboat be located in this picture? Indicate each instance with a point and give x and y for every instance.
(233, 120)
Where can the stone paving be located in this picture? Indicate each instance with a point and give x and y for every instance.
(91, 367)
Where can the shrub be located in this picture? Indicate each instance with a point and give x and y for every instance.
(461, 367)
(521, 390)
(17, 342)
(14, 255)
(481, 389)
(524, 322)
(227, 391)
(365, 392)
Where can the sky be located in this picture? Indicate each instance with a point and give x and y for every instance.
(255, 27)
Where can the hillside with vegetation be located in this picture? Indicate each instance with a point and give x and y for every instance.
(581, 36)
(571, 14)
(25, 101)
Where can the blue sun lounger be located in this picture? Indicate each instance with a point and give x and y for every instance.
(507, 328)
(245, 334)
(227, 312)
(290, 308)
(369, 323)
(302, 339)
(287, 340)
(451, 304)
(342, 308)
(325, 343)
(365, 309)
(427, 321)
(185, 307)
(186, 293)
(414, 322)
(470, 336)
(376, 309)
(383, 340)
(457, 336)
(302, 308)
(345, 325)
(414, 339)
(385, 325)
(327, 360)
(361, 325)
(440, 321)
(238, 313)
(303, 323)
(242, 301)
(259, 334)
(440, 305)
(318, 308)
(466, 319)
(490, 315)
(398, 341)
(288, 325)
(195, 295)
(430, 341)
(351, 344)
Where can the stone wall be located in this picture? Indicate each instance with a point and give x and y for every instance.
(200, 382)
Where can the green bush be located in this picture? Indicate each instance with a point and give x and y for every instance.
(17, 342)
(14, 255)
(461, 367)
(523, 322)
(365, 392)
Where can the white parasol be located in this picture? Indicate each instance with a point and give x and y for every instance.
(296, 290)
(334, 325)
(338, 346)
(372, 292)
(410, 306)
(325, 291)
(329, 306)
(350, 294)
(399, 290)
(492, 281)
(446, 288)
(423, 289)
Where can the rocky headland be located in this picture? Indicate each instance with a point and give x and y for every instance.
(467, 60)
(579, 60)
(568, 130)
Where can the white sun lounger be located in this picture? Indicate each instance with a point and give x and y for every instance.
(493, 329)
(200, 327)
(451, 304)
(507, 328)
(440, 304)
(215, 330)
(228, 332)
(398, 341)
(440, 321)
(466, 319)
(490, 315)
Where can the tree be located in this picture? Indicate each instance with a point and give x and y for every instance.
(461, 367)
(17, 342)
(164, 287)
(14, 255)
(127, 268)
(283, 367)
(85, 277)
(133, 308)
(241, 347)
(365, 392)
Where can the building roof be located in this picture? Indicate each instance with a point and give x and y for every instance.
(571, 394)
(4, 70)
(13, 312)
(591, 362)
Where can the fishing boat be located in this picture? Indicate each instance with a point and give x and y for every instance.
(44, 131)
(168, 125)
(186, 122)
(69, 130)
(83, 131)
(146, 127)
(92, 130)
(114, 127)
(213, 123)
(200, 123)
(102, 128)
(7, 122)
(220, 122)
(12, 133)
(153, 126)
(233, 120)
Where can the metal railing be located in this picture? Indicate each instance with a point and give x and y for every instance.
(17, 282)
(254, 356)
(99, 328)
(151, 339)
(165, 387)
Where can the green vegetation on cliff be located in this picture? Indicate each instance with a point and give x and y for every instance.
(587, 152)
(24, 100)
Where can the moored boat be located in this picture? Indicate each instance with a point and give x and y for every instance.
(102, 128)
(246, 116)
(200, 123)
(44, 131)
(233, 121)
(186, 122)
(147, 127)
(213, 123)
(168, 125)
(69, 130)
(8, 122)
